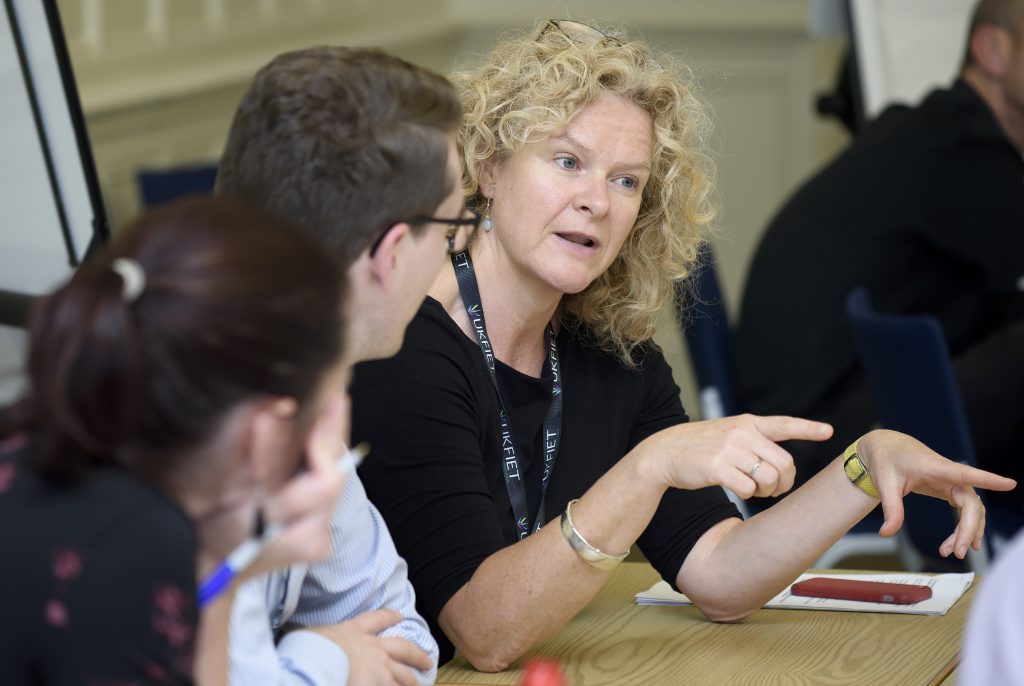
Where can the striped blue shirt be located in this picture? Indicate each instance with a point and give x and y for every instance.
(362, 573)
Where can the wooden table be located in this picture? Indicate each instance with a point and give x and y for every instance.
(615, 642)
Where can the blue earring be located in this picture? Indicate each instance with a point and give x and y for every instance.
(487, 223)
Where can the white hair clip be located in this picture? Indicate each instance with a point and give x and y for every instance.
(132, 277)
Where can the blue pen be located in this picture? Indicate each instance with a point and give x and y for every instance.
(217, 581)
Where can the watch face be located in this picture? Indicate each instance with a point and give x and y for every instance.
(857, 473)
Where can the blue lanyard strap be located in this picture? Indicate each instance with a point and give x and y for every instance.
(470, 292)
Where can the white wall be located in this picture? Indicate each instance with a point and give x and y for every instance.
(159, 81)
(907, 48)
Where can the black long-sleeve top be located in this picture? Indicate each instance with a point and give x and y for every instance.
(430, 415)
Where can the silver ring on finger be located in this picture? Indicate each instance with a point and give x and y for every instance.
(753, 470)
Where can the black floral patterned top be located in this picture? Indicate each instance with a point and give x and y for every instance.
(99, 579)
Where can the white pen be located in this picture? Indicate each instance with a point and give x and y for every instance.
(353, 458)
(248, 550)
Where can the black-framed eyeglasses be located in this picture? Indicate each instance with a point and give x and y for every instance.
(455, 244)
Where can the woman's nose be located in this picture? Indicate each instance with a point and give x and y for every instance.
(593, 196)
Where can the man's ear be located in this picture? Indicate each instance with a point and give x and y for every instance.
(991, 47)
(383, 264)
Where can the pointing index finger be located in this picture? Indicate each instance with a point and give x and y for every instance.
(979, 478)
(782, 428)
(959, 474)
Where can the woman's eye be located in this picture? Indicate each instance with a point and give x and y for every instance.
(567, 162)
(628, 182)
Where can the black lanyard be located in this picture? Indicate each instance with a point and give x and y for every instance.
(466, 278)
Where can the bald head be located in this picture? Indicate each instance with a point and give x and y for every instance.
(1008, 14)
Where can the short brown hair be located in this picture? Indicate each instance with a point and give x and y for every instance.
(341, 142)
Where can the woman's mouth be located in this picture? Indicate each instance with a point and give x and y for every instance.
(580, 239)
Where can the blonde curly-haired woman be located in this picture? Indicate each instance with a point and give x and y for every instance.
(518, 456)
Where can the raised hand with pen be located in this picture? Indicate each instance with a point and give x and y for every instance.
(291, 523)
(295, 521)
(278, 512)
(298, 509)
(302, 508)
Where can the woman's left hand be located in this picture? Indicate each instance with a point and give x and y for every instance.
(900, 464)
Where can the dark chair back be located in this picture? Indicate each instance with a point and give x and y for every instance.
(708, 336)
(160, 186)
(907, 364)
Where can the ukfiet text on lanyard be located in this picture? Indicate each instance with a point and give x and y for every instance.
(514, 477)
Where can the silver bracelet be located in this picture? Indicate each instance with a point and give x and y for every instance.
(587, 552)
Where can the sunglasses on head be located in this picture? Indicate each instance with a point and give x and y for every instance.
(575, 30)
(582, 33)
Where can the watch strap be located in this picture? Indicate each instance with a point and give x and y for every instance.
(857, 472)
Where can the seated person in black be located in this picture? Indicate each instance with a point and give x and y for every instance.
(517, 457)
(925, 209)
(174, 384)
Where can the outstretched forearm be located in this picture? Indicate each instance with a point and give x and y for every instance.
(736, 567)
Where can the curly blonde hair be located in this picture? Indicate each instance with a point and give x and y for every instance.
(532, 85)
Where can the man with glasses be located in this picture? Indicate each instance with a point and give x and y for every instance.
(356, 148)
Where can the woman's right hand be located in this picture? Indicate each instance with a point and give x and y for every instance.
(740, 453)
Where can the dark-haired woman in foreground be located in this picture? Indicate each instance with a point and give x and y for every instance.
(181, 387)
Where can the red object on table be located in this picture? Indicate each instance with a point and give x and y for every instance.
(543, 673)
